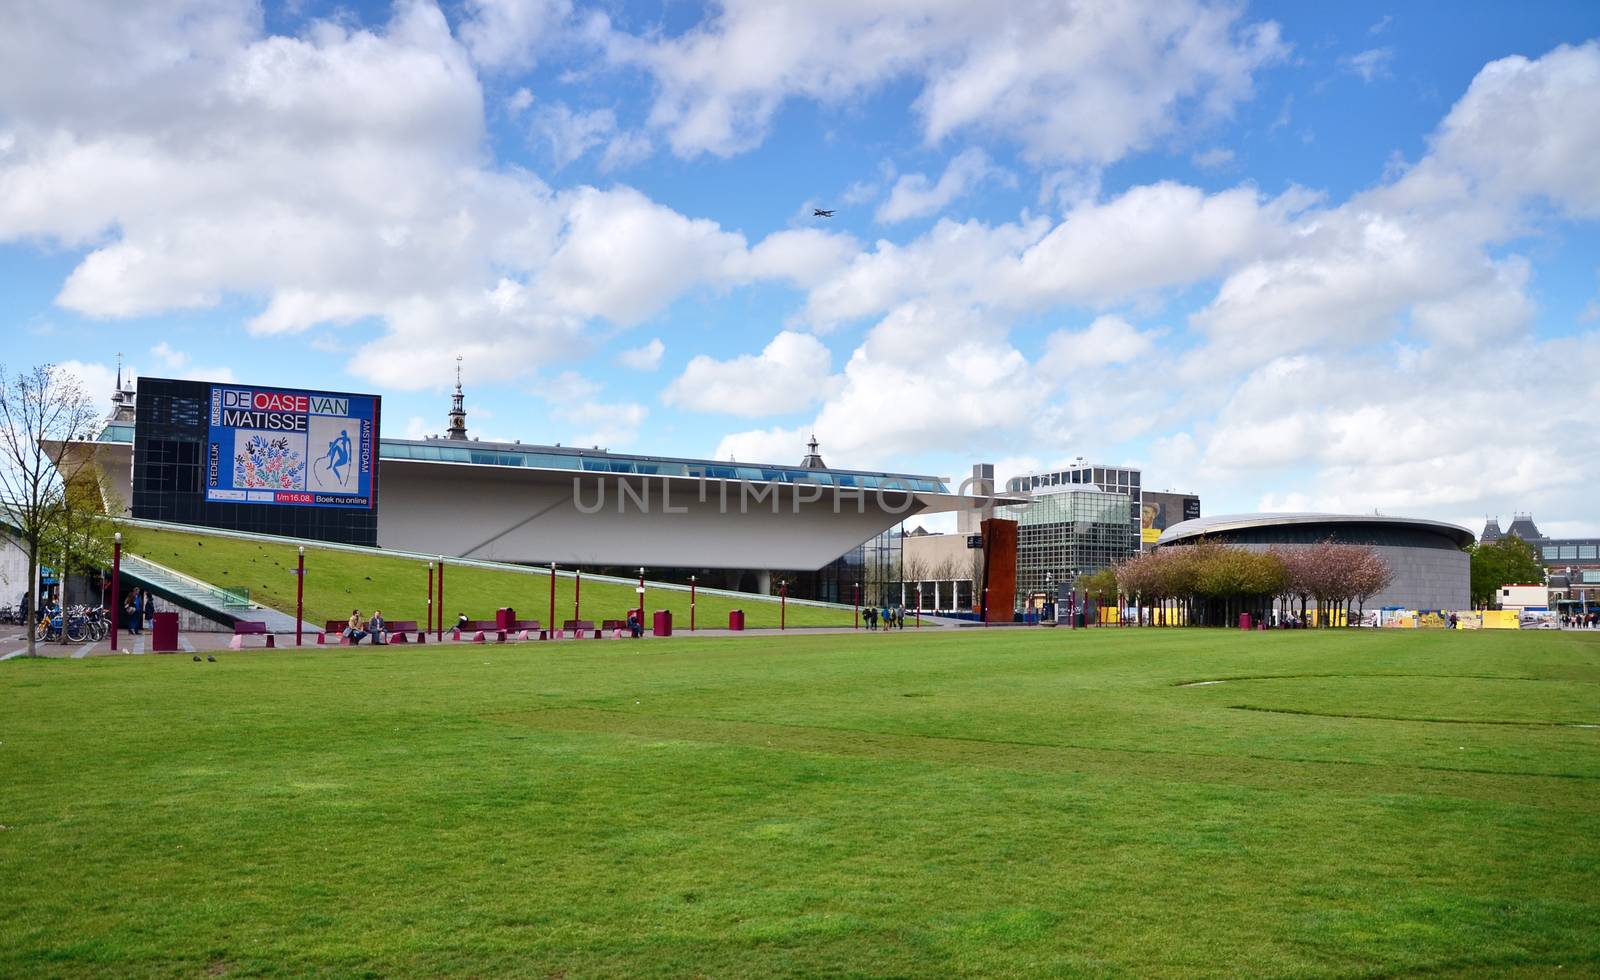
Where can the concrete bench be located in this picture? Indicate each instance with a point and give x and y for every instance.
(244, 628)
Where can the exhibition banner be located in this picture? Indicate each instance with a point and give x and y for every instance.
(283, 446)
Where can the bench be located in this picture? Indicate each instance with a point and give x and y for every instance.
(336, 627)
(479, 627)
(529, 629)
(398, 629)
(578, 627)
(244, 628)
(616, 627)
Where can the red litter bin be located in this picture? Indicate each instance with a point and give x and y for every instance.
(662, 625)
(164, 633)
(736, 619)
(505, 619)
(1244, 621)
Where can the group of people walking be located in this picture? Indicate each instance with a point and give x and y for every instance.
(885, 617)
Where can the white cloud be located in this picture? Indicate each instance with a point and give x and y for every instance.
(1149, 238)
(1216, 158)
(790, 373)
(646, 358)
(574, 399)
(338, 176)
(519, 101)
(1108, 340)
(914, 196)
(507, 34)
(1073, 82)
(1527, 127)
(1369, 65)
(572, 134)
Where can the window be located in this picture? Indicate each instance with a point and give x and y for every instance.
(1569, 551)
(1591, 576)
(1550, 552)
(1586, 551)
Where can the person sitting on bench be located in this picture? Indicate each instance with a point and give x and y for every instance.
(463, 623)
(378, 628)
(353, 631)
(634, 625)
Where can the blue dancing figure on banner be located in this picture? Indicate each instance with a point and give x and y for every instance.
(337, 458)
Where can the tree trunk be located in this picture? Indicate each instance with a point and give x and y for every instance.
(32, 616)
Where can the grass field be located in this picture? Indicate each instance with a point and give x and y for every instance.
(968, 803)
(338, 581)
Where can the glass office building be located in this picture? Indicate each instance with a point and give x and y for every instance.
(1111, 479)
(1069, 530)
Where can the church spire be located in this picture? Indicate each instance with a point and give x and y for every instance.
(458, 411)
(122, 399)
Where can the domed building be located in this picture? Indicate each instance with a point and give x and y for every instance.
(1432, 569)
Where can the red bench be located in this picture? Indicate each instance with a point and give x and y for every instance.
(529, 629)
(244, 628)
(578, 627)
(479, 628)
(398, 629)
(616, 627)
(336, 627)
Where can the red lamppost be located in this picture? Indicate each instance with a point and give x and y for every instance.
(429, 627)
(783, 605)
(577, 593)
(552, 599)
(641, 598)
(919, 605)
(855, 590)
(300, 596)
(438, 620)
(691, 603)
(116, 587)
(985, 609)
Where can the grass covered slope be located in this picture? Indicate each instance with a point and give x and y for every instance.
(972, 803)
(338, 581)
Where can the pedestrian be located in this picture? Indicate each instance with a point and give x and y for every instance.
(378, 629)
(132, 612)
(871, 614)
(353, 630)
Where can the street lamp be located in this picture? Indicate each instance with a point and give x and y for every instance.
(116, 588)
(300, 596)
(783, 604)
(641, 599)
(691, 603)
(429, 628)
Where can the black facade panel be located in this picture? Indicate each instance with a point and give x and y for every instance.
(170, 434)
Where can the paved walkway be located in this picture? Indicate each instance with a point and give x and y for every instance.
(14, 644)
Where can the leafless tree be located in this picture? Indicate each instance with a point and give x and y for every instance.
(42, 411)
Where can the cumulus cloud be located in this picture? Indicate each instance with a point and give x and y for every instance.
(338, 176)
(508, 34)
(914, 196)
(1069, 82)
(790, 373)
(646, 358)
(590, 420)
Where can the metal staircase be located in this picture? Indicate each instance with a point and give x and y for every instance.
(223, 606)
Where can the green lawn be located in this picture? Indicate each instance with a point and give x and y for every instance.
(974, 803)
(338, 581)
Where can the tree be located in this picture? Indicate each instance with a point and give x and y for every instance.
(42, 411)
(1100, 586)
(1509, 561)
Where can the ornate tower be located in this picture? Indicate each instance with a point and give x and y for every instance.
(812, 460)
(458, 413)
(122, 399)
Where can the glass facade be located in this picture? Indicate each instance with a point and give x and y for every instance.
(1067, 532)
(1111, 479)
(595, 461)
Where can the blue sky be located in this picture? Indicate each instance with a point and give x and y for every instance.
(1287, 256)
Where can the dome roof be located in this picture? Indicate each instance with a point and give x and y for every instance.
(1223, 523)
